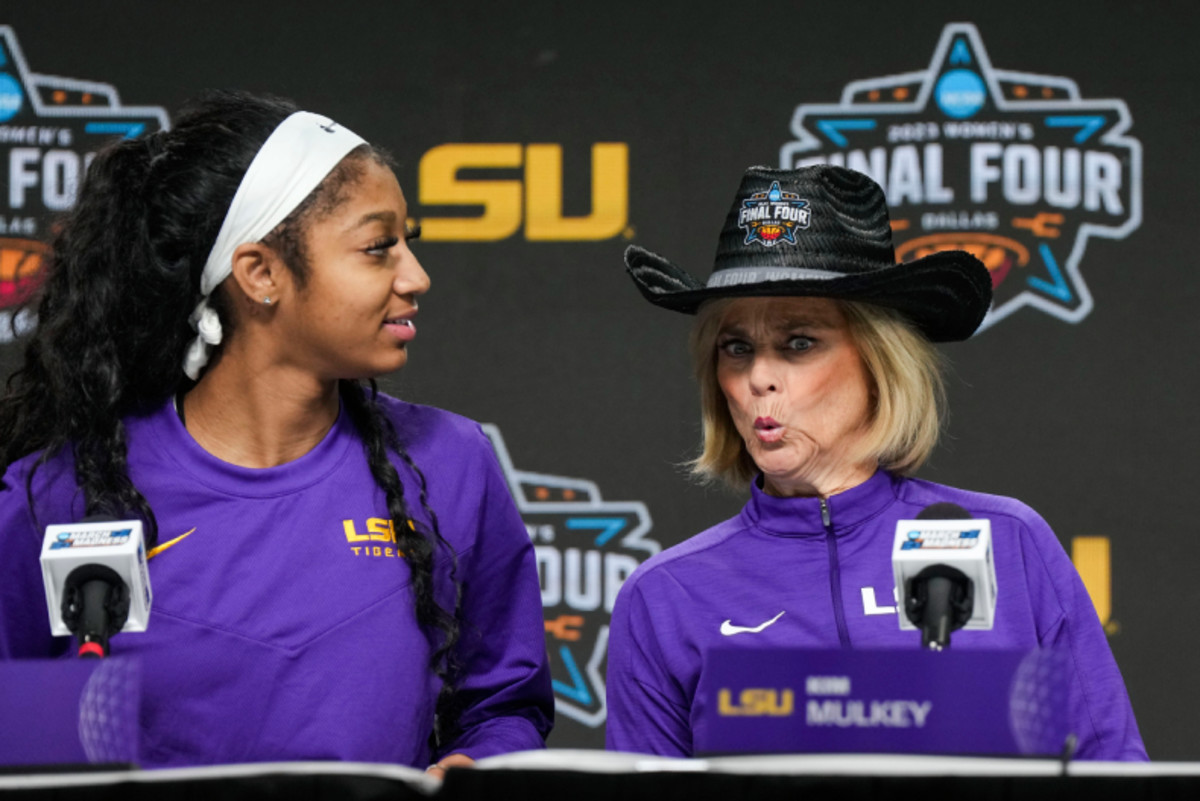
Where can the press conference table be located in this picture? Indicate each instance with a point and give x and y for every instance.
(583, 775)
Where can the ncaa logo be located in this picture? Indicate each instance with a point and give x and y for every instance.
(11, 97)
(1019, 169)
(960, 93)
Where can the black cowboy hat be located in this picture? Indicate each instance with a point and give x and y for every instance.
(822, 231)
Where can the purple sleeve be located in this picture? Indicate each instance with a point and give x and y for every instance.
(648, 711)
(504, 690)
(1099, 710)
(24, 619)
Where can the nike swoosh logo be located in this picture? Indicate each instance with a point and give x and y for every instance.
(728, 629)
(156, 550)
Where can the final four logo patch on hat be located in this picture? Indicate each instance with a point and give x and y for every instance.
(774, 216)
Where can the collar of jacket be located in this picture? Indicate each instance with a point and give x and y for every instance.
(792, 517)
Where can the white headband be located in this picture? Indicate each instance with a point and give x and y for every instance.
(292, 162)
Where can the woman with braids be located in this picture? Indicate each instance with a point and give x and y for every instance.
(337, 574)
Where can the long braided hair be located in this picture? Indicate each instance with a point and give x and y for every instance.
(124, 275)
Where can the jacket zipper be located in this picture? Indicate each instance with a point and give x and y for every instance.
(835, 575)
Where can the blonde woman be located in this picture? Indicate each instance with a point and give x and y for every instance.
(821, 392)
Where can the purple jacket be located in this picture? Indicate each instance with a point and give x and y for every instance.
(283, 625)
(833, 584)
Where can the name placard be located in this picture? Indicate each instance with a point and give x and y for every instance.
(881, 701)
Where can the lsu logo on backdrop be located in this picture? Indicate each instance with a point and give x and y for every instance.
(534, 198)
(50, 128)
(1017, 168)
(773, 216)
(586, 547)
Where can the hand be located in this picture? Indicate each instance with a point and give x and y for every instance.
(438, 771)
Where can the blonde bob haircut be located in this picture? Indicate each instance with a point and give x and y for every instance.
(907, 394)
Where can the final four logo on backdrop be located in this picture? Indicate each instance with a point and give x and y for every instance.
(1017, 168)
(774, 216)
(586, 547)
(50, 128)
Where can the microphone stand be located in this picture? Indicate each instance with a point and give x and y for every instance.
(95, 606)
(940, 600)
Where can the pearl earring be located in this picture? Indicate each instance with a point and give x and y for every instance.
(267, 301)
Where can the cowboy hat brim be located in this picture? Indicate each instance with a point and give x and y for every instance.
(945, 294)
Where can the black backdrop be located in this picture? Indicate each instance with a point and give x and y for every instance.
(1089, 422)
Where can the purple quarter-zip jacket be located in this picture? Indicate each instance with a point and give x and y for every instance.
(818, 573)
(283, 624)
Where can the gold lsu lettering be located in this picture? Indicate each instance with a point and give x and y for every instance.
(379, 529)
(756, 702)
(537, 199)
(1093, 561)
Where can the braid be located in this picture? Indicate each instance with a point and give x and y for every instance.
(74, 387)
(418, 545)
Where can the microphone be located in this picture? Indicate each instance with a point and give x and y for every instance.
(944, 572)
(96, 581)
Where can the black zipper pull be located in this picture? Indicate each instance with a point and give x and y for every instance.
(825, 518)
